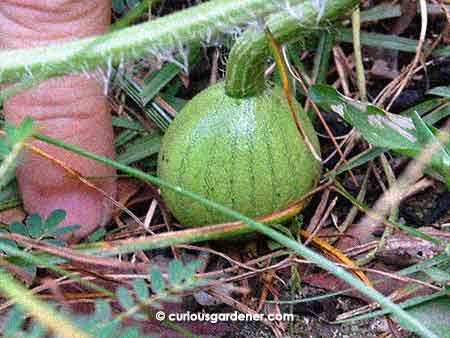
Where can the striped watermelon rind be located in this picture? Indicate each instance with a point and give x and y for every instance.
(243, 153)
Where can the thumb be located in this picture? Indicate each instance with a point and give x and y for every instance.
(71, 108)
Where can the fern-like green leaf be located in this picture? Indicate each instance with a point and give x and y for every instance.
(157, 279)
(141, 289)
(125, 298)
(176, 273)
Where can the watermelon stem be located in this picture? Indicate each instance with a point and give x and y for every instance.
(248, 57)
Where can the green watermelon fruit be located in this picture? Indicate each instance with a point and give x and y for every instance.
(243, 153)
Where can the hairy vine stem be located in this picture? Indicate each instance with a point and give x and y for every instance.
(166, 33)
(247, 61)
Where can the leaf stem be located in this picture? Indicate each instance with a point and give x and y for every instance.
(361, 77)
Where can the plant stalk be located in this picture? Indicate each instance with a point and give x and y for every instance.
(359, 65)
(58, 323)
(154, 37)
(248, 57)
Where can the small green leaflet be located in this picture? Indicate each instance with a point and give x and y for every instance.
(11, 148)
(406, 135)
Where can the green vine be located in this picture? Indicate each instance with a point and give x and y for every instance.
(247, 61)
(163, 34)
